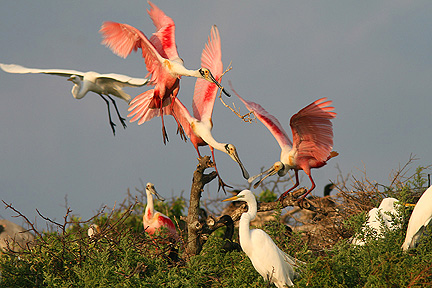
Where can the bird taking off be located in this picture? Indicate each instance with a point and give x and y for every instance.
(161, 59)
(102, 84)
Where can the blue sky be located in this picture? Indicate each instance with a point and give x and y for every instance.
(372, 58)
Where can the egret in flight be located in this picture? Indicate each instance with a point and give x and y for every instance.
(161, 59)
(102, 84)
(312, 140)
(270, 262)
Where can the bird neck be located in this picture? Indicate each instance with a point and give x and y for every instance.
(203, 130)
(149, 208)
(245, 232)
(77, 92)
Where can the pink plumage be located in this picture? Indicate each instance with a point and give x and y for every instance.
(162, 62)
(312, 143)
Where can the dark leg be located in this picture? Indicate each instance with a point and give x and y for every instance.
(295, 185)
(122, 120)
(179, 127)
(164, 133)
(220, 183)
(112, 124)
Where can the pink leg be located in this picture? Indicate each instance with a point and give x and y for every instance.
(164, 133)
(310, 189)
(221, 183)
(292, 188)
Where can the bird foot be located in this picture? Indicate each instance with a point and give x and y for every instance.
(112, 124)
(303, 203)
(182, 133)
(222, 184)
(123, 122)
(164, 135)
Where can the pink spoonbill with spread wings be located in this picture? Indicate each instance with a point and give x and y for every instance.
(154, 220)
(312, 140)
(199, 127)
(161, 59)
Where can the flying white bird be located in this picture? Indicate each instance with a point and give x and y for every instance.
(419, 220)
(102, 84)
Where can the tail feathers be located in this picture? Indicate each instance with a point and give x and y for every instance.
(332, 155)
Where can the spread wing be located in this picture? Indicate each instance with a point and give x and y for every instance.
(205, 92)
(164, 38)
(13, 68)
(313, 131)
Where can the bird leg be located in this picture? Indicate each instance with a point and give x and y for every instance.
(164, 133)
(281, 198)
(112, 124)
(179, 127)
(220, 183)
(122, 120)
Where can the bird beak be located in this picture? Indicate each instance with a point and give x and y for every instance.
(269, 172)
(236, 158)
(69, 79)
(409, 205)
(153, 190)
(231, 199)
(212, 79)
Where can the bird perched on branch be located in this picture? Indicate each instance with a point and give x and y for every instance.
(270, 262)
(312, 144)
(101, 84)
(161, 59)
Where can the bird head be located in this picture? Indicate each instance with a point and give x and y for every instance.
(232, 152)
(276, 168)
(245, 195)
(207, 75)
(151, 189)
(74, 79)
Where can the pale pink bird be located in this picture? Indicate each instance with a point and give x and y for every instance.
(198, 128)
(154, 220)
(161, 59)
(312, 140)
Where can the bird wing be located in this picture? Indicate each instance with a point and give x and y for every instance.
(180, 112)
(122, 80)
(123, 38)
(268, 120)
(13, 68)
(313, 131)
(164, 38)
(205, 91)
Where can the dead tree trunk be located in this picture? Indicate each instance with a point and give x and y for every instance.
(194, 226)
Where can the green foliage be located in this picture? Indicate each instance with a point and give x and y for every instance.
(122, 255)
(267, 196)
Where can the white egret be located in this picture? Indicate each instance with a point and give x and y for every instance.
(419, 220)
(102, 84)
(379, 218)
(270, 262)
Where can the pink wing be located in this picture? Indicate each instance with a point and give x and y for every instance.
(141, 106)
(123, 38)
(205, 92)
(268, 120)
(164, 38)
(180, 112)
(313, 131)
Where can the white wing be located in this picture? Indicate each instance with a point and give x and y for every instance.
(12, 68)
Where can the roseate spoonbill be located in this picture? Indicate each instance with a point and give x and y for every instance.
(152, 219)
(379, 219)
(312, 136)
(161, 59)
(270, 262)
(102, 84)
(419, 220)
(197, 128)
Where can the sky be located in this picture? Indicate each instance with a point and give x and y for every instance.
(373, 59)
